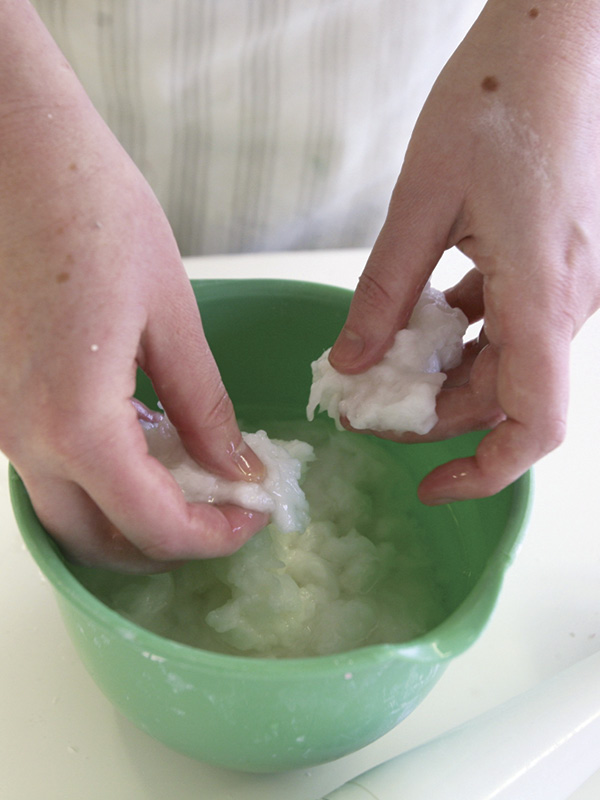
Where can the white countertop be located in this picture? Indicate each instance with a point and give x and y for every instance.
(60, 739)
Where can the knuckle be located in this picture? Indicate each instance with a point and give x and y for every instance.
(553, 433)
(162, 549)
(512, 448)
(189, 537)
(219, 409)
(163, 544)
(373, 293)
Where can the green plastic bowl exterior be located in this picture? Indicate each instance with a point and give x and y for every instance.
(269, 715)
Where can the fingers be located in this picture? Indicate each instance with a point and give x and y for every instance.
(464, 372)
(532, 393)
(467, 295)
(470, 406)
(142, 500)
(515, 385)
(503, 456)
(84, 533)
(177, 357)
(133, 519)
(408, 248)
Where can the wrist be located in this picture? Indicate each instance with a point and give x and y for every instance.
(44, 110)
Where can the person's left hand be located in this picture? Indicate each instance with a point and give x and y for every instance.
(91, 287)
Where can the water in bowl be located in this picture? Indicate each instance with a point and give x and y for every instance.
(362, 573)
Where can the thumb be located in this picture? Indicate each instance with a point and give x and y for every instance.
(410, 244)
(187, 381)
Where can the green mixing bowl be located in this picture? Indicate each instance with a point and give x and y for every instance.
(266, 715)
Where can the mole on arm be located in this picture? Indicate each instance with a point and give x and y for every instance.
(490, 83)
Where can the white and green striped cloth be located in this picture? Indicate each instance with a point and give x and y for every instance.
(262, 124)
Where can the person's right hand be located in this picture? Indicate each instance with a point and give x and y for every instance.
(504, 164)
(91, 286)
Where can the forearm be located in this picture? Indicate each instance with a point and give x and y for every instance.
(34, 75)
(68, 192)
(51, 136)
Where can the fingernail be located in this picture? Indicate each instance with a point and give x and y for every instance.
(348, 348)
(244, 522)
(248, 463)
(144, 413)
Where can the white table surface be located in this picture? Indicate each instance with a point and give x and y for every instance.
(60, 739)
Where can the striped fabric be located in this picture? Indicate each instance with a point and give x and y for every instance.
(262, 124)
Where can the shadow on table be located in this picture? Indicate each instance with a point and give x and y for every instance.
(163, 771)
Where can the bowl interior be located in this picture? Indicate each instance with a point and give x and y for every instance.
(264, 335)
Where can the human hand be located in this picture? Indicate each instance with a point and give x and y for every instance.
(92, 286)
(504, 164)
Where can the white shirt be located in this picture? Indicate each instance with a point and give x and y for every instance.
(262, 124)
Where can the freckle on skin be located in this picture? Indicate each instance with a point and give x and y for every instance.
(534, 12)
(490, 83)
(73, 166)
(63, 277)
